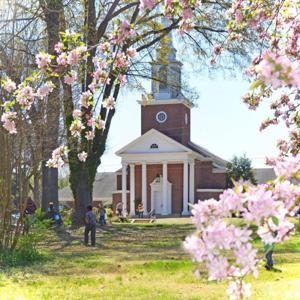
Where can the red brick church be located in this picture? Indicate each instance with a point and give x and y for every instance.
(163, 168)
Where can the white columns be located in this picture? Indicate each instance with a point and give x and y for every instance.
(132, 190)
(185, 188)
(124, 186)
(192, 182)
(144, 186)
(165, 188)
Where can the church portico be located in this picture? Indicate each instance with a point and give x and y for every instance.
(158, 177)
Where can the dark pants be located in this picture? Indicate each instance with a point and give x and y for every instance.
(141, 214)
(90, 228)
(102, 220)
(269, 258)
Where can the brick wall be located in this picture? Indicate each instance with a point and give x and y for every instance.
(206, 179)
(174, 127)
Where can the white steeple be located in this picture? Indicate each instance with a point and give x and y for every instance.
(166, 71)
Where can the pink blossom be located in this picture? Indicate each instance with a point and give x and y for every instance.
(9, 124)
(89, 135)
(205, 211)
(55, 163)
(62, 59)
(196, 247)
(76, 113)
(122, 79)
(91, 122)
(71, 78)
(43, 60)
(9, 85)
(58, 47)
(85, 99)
(104, 47)
(82, 156)
(218, 235)
(109, 102)
(260, 205)
(131, 52)
(46, 89)
(58, 156)
(147, 4)
(76, 128)
(100, 124)
(25, 96)
(217, 268)
(72, 57)
(239, 290)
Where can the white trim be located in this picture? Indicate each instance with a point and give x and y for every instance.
(185, 102)
(158, 157)
(163, 136)
(210, 190)
(165, 115)
(132, 189)
(119, 192)
(185, 203)
(124, 186)
(192, 182)
(144, 186)
(219, 171)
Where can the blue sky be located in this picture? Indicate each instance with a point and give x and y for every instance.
(221, 122)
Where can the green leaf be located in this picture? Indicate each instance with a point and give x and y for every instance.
(256, 84)
(275, 220)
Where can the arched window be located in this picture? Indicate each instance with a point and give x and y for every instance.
(154, 146)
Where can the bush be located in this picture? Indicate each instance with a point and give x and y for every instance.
(25, 253)
(66, 215)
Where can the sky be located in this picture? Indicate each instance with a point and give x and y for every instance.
(221, 122)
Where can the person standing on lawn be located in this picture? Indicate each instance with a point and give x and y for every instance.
(119, 209)
(102, 213)
(141, 210)
(90, 226)
(268, 249)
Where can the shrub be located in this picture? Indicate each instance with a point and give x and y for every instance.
(25, 253)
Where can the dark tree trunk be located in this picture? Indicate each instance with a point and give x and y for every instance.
(52, 10)
(49, 186)
(37, 189)
(83, 194)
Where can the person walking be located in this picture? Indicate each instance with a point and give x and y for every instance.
(30, 209)
(102, 213)
(90, 226)
(268, 249)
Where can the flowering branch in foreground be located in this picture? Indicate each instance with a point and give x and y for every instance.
(267, 206)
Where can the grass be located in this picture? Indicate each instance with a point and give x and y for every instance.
(136, 261)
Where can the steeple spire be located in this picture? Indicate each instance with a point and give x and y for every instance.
(166, 70)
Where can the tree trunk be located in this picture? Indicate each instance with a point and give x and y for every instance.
(52, 10)
(83, 194)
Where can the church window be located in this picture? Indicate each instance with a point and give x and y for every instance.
(154, 146)
(161, 117)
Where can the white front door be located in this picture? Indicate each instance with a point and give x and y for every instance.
(161, 206)
(158, 202)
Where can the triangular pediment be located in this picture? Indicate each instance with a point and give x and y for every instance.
(153, 141)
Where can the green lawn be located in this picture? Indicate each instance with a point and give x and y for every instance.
(134, 261)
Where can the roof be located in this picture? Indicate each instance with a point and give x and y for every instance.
(263, 175)
(218, 161)
(104, 185)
